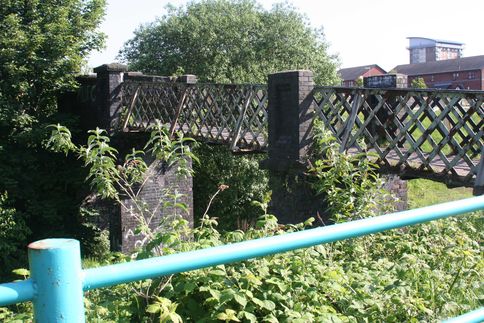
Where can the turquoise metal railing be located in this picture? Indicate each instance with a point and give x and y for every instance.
(58, 281)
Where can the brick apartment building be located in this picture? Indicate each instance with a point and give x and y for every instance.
(350, 76)
(461, 73)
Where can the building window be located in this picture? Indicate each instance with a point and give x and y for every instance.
(472, 75)
(432, 78)
(456, 76)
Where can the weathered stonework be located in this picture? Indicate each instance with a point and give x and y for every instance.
(157, 193)
(398, 188)
(290, 115)
(108, 94)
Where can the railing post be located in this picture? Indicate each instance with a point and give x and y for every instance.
(479, 184)
(55, 268)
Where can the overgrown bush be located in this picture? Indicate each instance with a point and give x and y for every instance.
(13, 232)
(245, 180)
(422, 273)
(123, 183)
(43, 45)
(349, 184)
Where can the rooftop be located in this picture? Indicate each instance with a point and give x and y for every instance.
(352, 73)
(444, 66)
(440, 41)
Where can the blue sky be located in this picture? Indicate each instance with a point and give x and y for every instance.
(360, 32)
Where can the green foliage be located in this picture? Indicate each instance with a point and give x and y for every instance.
(13, 233)
(230, 41)
(43, 43)
(170, 151)
(166, 310)
(105, 176)
(42, 187)
(124, 183)
(42, 46)
(421, 273)
(348, 183)
(418, 83)
(245, 182)
(94, 240)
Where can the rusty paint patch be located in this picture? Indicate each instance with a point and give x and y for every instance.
(42, 244)
(51, 244)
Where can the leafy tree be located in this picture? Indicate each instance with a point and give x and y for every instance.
(42, 46)
(418, 83)
(230, 41)
(359, 81)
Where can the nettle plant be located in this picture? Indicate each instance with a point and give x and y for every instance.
(124, 182)
(349, 183)
(425, 273)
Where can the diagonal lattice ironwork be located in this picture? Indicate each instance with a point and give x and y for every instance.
(414, 131)
(231, 114)
(411, 131)
(144, 102)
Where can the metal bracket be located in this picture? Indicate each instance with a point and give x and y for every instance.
(131, 106)
(239, 123)
(178, 111)
(351, 121)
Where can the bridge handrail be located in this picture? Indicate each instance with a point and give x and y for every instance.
(30, 290)
(434, 133)
(399, 90)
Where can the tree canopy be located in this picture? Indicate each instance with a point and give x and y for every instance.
(43, 45)
(230, 41)
(418, 83)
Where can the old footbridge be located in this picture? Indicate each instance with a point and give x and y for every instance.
(433, 134)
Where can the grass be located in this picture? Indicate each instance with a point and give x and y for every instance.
(423, 192)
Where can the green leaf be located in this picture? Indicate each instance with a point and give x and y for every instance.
(249, 316)
(269, 305)
(215, 293)
(226, 296)
(153, 308)
(217, 272)
(228, 315)
(258, 302)
(241, 299)
(21, 272)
